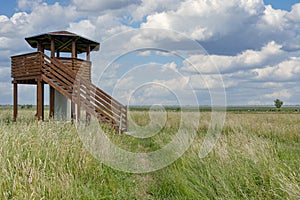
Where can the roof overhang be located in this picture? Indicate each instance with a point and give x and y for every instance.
(63, 42)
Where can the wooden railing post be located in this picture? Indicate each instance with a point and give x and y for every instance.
(89, 100)
(78, 101)
(126, 119)
(52, 91)
(121, 119)
(74, 55)
(52, 47)
(88, 58)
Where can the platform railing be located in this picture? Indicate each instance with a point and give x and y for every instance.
(78, 65)
(26, 66)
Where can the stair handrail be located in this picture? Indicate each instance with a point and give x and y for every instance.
(100, 101)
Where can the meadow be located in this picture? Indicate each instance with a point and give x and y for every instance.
(256, 157)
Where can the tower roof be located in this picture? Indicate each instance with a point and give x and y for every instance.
(63, 41)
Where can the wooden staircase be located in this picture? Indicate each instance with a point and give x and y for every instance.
(83, 93)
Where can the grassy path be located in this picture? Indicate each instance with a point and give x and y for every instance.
(257, 157)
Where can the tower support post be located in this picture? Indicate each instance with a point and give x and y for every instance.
(15, 100)
(40, 99)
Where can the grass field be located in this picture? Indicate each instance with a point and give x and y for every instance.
(256, 157)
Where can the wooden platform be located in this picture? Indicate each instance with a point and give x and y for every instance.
(71, 77)
(28, 67)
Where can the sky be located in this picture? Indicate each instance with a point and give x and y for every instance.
(170, 52)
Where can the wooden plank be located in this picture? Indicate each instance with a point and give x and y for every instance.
(103, 104)
(23, 68)
(56, 87)
(25, 74)
(98, 108)
(51, 70)
(76, 64)
(112, 102)
(68, 77)
(27, 54)
(24, 60)
(31, 77)
(67, 85)
(107, 107)
(31, 71)
(108, 103)
(60, 66)
(100, 93)
(26, 78)
(106, 96)
(63, 66)
(103, 119)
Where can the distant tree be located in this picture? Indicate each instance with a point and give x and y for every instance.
(278, 103)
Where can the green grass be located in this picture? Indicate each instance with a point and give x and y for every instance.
(256, 157)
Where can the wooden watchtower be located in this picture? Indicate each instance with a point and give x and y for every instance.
(68, 77)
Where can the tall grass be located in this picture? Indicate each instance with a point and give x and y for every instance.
(256, 157)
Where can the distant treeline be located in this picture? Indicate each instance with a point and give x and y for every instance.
(228, 109)
(295, 108)
(21, 106)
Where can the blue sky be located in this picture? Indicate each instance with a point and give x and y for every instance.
(253, 45)
(8, 8)
(279, 4)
